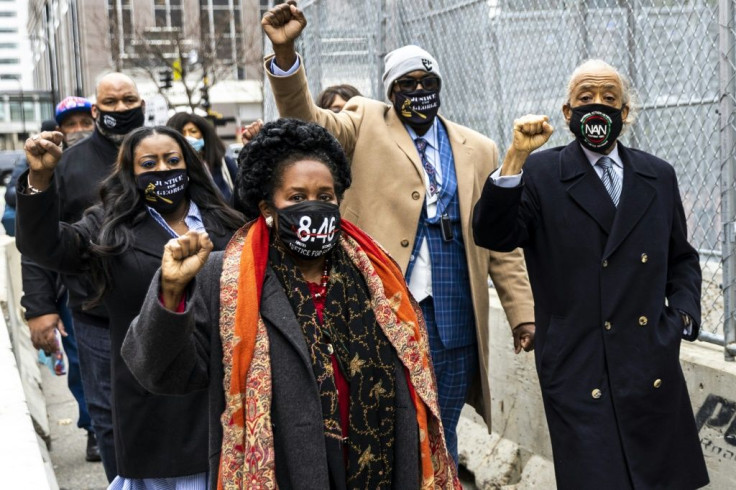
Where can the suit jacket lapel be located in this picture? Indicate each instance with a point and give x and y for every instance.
(464, 168)
(637, 194)
(150, 237)
(277, 311)
(403, 141)
(585, 187)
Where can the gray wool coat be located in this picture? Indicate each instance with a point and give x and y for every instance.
(177, 353)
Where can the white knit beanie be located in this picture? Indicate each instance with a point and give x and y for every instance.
(405, 60)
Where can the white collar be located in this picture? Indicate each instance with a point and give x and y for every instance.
(430, 136)
(593, 157)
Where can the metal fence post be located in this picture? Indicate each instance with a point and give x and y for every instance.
(728, 172)
(632, 7)
(380, 43)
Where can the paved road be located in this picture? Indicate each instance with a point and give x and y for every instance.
(68, 442)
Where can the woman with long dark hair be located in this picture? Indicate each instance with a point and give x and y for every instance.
(158, 190)
(303, 331)
(201, 134)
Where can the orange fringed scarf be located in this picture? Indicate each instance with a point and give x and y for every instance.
(247, 459)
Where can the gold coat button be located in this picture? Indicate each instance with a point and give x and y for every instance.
(657, 383)
(607, 325)
(605, 263)
(415, 195)
(596, 393)
(404, 243)
(644, 258)
(643, 320)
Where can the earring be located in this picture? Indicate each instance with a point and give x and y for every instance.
(269, 221)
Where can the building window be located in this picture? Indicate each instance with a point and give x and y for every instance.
(8, 14)
(8, 45)
(9, 61)
(28, 110)
(47, 110)
(222, 32)
(167, 13)
(120, 14)
(8, 30)
(7, 76)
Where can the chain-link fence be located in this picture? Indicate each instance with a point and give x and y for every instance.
(501, 59)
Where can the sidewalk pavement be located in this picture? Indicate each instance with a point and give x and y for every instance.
(68, 442)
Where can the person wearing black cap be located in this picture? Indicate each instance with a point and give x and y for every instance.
(416, 176)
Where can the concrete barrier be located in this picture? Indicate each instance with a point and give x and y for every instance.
(518, 454)
(24, 457)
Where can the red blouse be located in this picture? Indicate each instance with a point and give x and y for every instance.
(341, 382)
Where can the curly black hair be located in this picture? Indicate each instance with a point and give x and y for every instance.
(277, 145)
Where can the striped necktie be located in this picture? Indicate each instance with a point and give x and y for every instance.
(610, 179)
(421, 144)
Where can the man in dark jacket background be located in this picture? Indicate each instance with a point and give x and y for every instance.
(118, 110)
(616, 287)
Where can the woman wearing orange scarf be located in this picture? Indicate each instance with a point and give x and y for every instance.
(308, 326)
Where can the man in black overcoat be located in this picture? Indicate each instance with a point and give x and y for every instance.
(616, 287)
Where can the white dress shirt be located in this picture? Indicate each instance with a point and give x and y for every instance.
(420, 282)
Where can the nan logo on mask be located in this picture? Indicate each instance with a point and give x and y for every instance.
(427, 64)
(596, 128)
(109, 121)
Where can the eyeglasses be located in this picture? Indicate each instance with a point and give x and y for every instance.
(429, 82)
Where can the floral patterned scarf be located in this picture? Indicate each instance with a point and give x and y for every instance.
(366, 360)
(247, 459)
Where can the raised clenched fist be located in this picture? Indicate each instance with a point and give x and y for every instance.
(183, 258)
(531, 132)
(283, 23)
(43, 152)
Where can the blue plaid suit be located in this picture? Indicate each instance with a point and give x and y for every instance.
(449, 311)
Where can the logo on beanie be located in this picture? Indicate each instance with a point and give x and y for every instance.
(427, 64)
(109, 121)
(596, 128)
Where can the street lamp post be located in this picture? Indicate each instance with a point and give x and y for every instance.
(22, 109)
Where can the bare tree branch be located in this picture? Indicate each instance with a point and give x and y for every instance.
(152, 50)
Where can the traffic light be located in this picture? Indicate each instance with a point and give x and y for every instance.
(165, 78)
(204, 98)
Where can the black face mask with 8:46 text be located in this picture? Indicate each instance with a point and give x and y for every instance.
(309, 229)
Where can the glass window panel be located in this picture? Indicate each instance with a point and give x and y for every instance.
(160, 15)
(176, 18)
(15, 111)
(28, 110)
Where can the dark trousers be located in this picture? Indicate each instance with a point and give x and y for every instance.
(454, 370)
(93, 344)
(73, 373)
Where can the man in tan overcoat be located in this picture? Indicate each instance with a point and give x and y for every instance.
(416, 177)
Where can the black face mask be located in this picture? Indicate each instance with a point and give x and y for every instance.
(163, 190)
(418, 108)
(596, 126)
(309, 229)
(122, 122)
